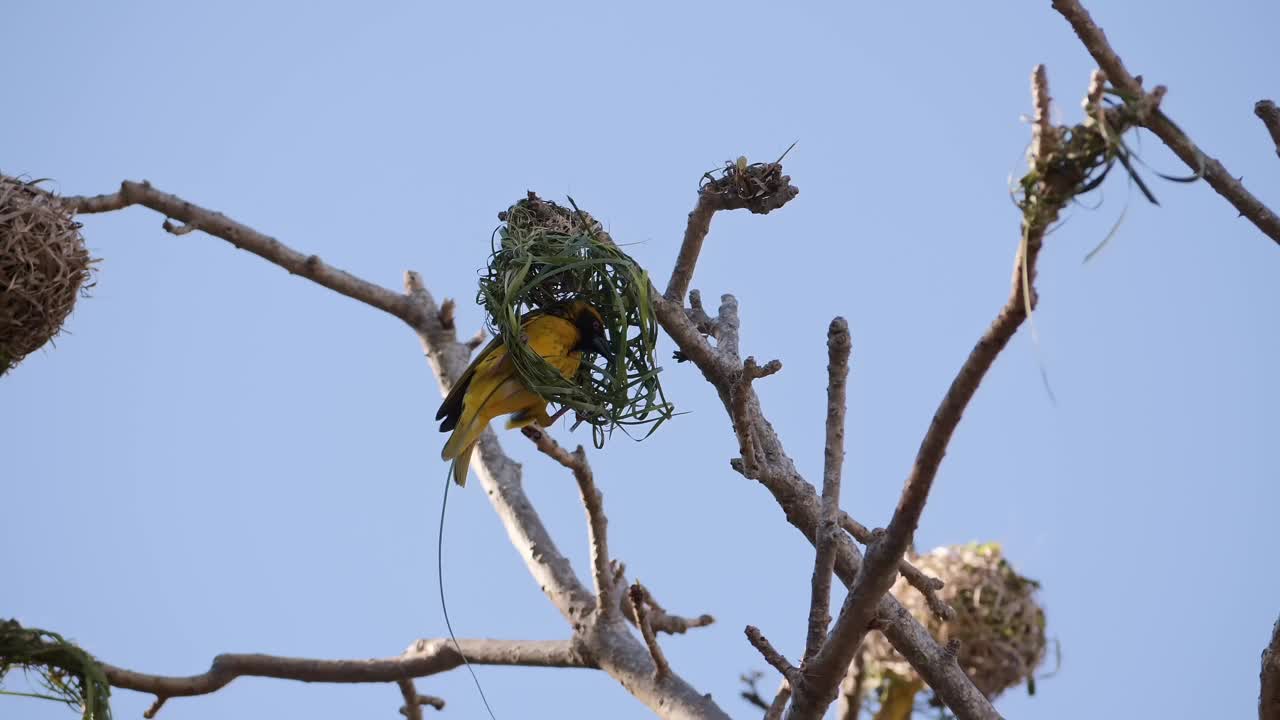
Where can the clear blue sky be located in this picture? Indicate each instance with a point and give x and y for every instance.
(221, 457)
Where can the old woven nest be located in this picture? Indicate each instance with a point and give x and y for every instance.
(44, 268)
(544, 255)
(61, 671)
(999, 623)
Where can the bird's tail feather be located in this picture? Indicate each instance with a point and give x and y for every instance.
(461, 464)
(463, 437)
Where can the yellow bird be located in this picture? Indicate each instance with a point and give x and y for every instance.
(491, 385)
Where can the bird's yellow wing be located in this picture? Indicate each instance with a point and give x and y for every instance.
(491, 386)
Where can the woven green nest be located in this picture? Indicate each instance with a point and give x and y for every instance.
(65, 672)
(545, 254)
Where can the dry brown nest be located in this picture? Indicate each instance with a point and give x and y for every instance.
(44, 268)
(998, 622)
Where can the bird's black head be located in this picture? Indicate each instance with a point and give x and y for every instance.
(590, 324)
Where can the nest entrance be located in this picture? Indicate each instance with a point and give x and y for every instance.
(544, 255)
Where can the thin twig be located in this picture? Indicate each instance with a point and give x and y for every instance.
(413, 702)
(695, 232)
(411, 709)
(752, 693)
(838, 348)
(779, 704)
(740, 394)
(475, 341)
(1226, 184)
(177, 230)
(246, 238)
(1269, 114)
(659, 619)
(1044, 137)
(639, 599)
(593, 502)
(927, 585)
(424, 657)
(771, 654)
(1092, 103)
(448, 310)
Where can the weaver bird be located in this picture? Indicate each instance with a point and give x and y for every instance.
(491, 385)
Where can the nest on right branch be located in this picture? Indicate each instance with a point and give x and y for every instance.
(998, 622)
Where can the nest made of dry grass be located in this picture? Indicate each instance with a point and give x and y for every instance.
(999, 622)
(44, 268)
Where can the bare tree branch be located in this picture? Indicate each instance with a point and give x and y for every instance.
(425, 657)
(1269, 114)
(150, 712)
(413, 702)
(849, 704)
(475, 341)
(927, 585)
(1269, 696)
(838, 348)
(661, 620)
(1095, 41)
(817, 688)
(771, 654)
(639, 601)
(1044, 139)
(779, 704)
(608, 642)
(695, 232)
(597, 521)
(411, 709)
(772, 708)
(246, 238)
(800, 505)
(759, 188)
(739, 410)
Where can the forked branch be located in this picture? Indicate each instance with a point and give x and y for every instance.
(593, 502)
(818, 687)
(1200, 162)
(838, 349)
(423, 658)
(775, 470)
(609, 644)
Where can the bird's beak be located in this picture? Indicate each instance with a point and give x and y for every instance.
(601, 346)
